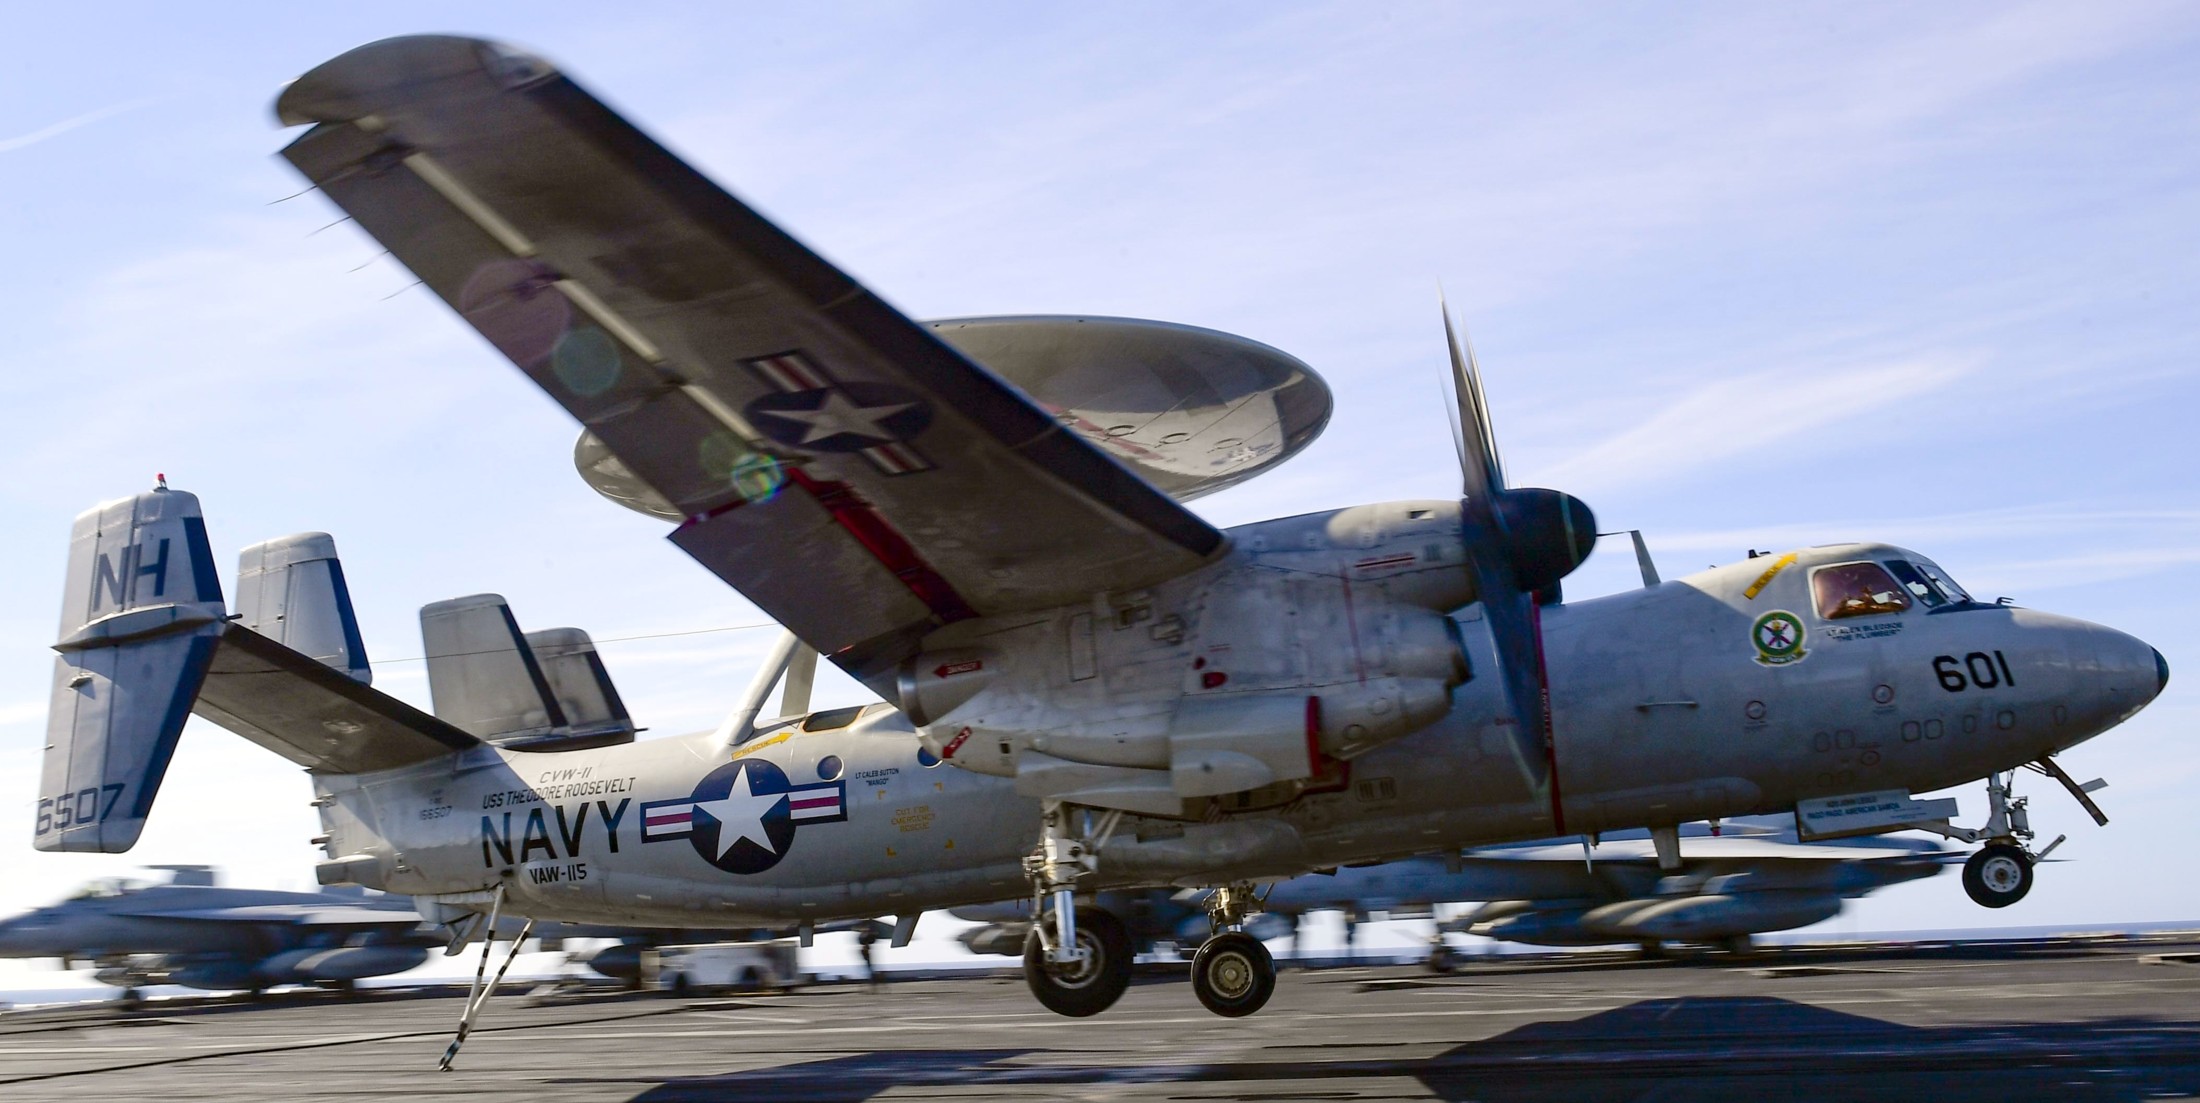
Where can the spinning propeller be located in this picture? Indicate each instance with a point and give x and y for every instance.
(1521, 542)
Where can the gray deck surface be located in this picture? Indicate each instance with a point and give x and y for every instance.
(2050, 1019)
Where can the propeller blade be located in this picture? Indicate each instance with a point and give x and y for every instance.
(1482, 473)
(1508, 608)
(1516, 635)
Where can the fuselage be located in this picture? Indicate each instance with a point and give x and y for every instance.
(1741, 689)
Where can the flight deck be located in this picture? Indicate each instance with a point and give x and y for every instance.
(2062, 1019)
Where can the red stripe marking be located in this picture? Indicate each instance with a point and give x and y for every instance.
(890, 548)
(895, 459)
(795, 368)
(777, 374)
(1313, 736)
(1543, 718)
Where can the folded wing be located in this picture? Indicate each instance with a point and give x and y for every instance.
(837, 463)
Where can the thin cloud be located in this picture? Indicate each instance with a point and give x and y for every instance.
(10, 145)
(1761, 413)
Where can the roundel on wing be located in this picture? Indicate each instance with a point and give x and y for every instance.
(846, 417)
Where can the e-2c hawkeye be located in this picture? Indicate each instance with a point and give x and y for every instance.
(1083, 684)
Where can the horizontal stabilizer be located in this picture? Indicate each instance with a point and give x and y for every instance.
(314, 715)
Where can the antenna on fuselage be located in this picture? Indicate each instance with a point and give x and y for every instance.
(1642, 556)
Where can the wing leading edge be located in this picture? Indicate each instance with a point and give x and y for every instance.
(837, 463)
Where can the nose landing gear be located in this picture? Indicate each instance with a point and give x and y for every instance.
(2000, 873)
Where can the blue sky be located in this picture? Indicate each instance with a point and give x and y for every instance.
(1739, 276)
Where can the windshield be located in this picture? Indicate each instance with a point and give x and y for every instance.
(1946, 585)
(1857, 590)
(105, 887)
(1912, 580)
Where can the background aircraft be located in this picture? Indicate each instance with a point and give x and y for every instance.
(195, 933)
(1752, 878)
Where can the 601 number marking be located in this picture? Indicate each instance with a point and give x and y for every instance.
(1978, 670)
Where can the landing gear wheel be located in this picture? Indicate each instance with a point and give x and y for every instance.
(1441, 960)
(1998, 875)
(1233, 975)
(1085, 987)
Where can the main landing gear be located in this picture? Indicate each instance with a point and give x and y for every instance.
(1090, 981)
(1077, 961)
(1233, 974)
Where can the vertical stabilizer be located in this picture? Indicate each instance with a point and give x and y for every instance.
(580, 684)
(482, 676)
(140, 620)
(291, 590)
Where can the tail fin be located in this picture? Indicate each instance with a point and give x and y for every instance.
(580, 685)
(139, 624)
(146, 640)
(292, 591)
(536, 691)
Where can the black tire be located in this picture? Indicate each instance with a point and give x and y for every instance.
(679, 984)
(1998, 875)
(1441, 961)
(1094, 985)
(1233, 975)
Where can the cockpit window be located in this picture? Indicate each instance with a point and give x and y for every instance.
(1925, 592)
(1946, 585)
(1857, 590)
(107, 887)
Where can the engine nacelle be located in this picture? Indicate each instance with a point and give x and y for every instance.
(1319, 638)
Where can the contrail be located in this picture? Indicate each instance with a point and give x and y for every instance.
(10, 145)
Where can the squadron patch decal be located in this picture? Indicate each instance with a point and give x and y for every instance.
(743, 815)
(1778, 636)
(812, 411)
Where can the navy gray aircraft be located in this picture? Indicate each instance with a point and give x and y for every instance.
(1083, 684)
(191, 932)
(1749, 878)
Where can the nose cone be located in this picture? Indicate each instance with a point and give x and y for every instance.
(16, 940)
(2133, 671)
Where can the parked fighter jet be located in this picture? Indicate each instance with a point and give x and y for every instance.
(1085, 685)
(1726, 889)
(1750, 879)
(191, 932)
